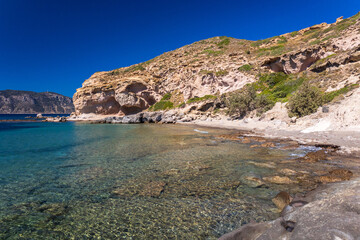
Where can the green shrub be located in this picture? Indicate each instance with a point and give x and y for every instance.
(199, 99)
(329, 96)
(224, 42)
(305, 101)
(181, 105)
(137, 67)
(293, 34)
(241, 102)
(315, 42)
(167, 96)
(114, 72)
(274, 50)
(273, 78)
(221, 73)
(283, 89)
(206, 72)
(245, 68)
(282, 40)
(212, 52)
(277, 50)
(263, 103)
(161, 105)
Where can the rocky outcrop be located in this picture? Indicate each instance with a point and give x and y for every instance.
(326, 55)
(15, 102)
(328, 213)
(295, 62)
(128, 94)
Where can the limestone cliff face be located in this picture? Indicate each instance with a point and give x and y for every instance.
(27, 102)
(327, 53)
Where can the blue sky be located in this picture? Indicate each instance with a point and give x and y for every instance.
(54, 45)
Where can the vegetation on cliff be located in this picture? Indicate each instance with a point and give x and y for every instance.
(315, 65)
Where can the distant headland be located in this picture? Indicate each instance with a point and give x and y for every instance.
(28, 102)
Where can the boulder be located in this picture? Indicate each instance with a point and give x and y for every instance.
(332, 213)
(315, 156)
(281, 200)
(336, 175)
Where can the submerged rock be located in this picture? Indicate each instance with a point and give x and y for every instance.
(279, 180)
(336, 175)
(252, 181)
(281, 200)
(315, 156)
(287, 172)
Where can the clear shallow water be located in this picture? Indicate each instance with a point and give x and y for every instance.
(86, 181)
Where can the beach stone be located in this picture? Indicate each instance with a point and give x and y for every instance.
(234, 137)
(279, 180)
(268, 144)
(54, 209)
(336, 175)
(252, 181)
(325, 109)
(264, 165)
(287, 171)
(281, 200)
(290, 145)
(315, 156)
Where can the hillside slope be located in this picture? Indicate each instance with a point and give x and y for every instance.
(325, 55)
(15, 102)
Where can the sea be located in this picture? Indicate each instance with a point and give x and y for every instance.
(139, 181)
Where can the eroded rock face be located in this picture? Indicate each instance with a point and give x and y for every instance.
(329, 53)
(295, 62)
(129, 98)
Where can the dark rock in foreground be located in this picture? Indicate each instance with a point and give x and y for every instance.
(27, 102)
(332, 213)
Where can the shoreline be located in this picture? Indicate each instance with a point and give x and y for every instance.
(348, 139)
(349, 142)
(314, 199)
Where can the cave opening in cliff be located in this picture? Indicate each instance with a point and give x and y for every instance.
(130, 110)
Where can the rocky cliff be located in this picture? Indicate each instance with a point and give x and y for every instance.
(327, 55)
(13, 102)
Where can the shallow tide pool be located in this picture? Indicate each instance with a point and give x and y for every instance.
(148, 181)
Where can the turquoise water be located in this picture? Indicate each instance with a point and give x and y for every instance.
(26, 116)
(147, 181)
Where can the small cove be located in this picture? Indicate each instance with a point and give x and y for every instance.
(147, 181)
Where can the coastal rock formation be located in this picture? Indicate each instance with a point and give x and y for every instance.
(196, 78)
(332, 213)
(14, 102)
